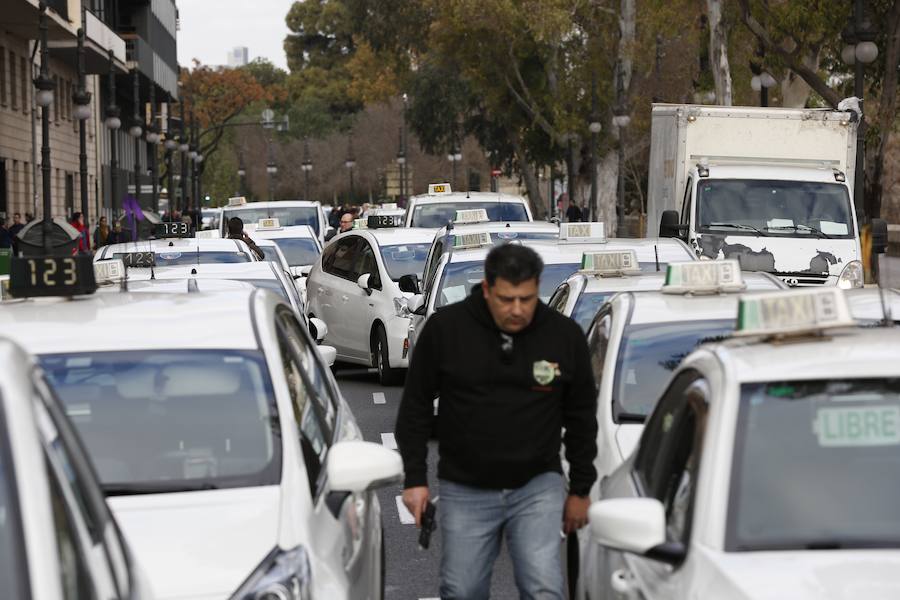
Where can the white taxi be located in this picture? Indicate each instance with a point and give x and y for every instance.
(226, 452)
(175, 246)
(768, 469)
(290, 213)
(58, 538)
(299, 244)
(360, 287)
(438, 207)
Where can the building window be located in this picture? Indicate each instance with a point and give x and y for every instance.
(26, 72)
(13, 95)
(2, 75)
(70, 195)
(4, 200)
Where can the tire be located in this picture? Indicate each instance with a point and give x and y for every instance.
(386, 375)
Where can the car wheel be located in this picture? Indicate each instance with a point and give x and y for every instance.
(386, 375)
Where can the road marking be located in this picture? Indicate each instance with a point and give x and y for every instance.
(406, 517)
(378, 398)
(388, 441)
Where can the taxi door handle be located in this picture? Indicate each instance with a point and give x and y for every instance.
(345, 298)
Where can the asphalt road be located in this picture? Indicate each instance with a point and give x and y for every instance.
(412, 574)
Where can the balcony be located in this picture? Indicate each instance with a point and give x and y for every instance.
(99, 40)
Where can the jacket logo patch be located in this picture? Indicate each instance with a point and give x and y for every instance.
(545, 372)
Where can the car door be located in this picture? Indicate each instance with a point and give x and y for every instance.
(667, 468)
(362, 306)
(345, 529)
(333, 288)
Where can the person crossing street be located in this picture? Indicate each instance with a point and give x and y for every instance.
(511, 375)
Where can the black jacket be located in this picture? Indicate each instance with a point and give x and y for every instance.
(501, 417)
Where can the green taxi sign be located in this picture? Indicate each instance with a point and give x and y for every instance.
(109, 271)
(792, 312)
(471, 215)
(360, 224)
(610, 262)
(856, 426)
(703, 277)
(471, 240)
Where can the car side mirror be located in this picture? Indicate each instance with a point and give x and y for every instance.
(416, 304)
(318, 329)
(363, 282)
(879, 236)
(409, 283)
(328, 354)
(635, 525)
(355, 466)
(669, 225)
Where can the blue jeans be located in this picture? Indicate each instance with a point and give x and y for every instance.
(473, 520)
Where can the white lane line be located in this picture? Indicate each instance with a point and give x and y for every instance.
(378, 398)
(388, 441)
(406, 517)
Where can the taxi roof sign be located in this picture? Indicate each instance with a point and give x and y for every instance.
(360, 224)
(471, 240)
(173, 229)
(610, 262)
(704, 277)
(791, 312)
(268, 223)
(109, 271)
(582, 233)
(237, 201)
(471, 215)
(208, 234)
(439, 189)
(35, 276)
(389, 206)
(383, 221)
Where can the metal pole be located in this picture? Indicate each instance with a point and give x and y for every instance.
(136, 92)
(593, 209)
(80, 94)
(859, 179)
(620, 191)
(113, 139)
(183, 167)
(47, 226)
(170, 176)
(152, 154)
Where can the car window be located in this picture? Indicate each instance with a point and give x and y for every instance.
(431, 263)
(586, 307)
(598, 344)
(314, 439)
(366, 263)
(298, 251)
(342, 263)
(559, 298)
(75, 578)
(13, 575)
(186, 257)
(404, 259)
(686, 201)
(286, 215)
(439, 214)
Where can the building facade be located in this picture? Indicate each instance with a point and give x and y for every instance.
(238, 56)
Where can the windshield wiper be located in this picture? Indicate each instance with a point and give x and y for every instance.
(802, 227)
(137, 489)
(738, 226)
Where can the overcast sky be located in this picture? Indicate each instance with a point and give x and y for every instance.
(210, 28)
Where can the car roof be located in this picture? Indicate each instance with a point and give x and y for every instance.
(657, 307)
(177, 285)
(174, 244)
(391, 236)
(291, 231)
(498, 226)
(781, 173)
(248, 270)
(756, 281)
(852, 352)
(463, 198)
(132, 321)
(278, 204)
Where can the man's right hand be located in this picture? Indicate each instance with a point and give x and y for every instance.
(415, 499)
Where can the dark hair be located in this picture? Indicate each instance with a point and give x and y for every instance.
(514, 263)
(235, 226)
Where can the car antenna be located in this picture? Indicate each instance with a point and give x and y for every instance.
(656, 253)
(152, 271)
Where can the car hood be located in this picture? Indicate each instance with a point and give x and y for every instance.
(805, 575)
(627, 437)
(781, 254)
(199, 544)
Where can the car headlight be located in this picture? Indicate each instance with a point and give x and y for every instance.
(401, 307)
(282, 575)
(853, 276)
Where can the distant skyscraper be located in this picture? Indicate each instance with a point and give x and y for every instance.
(238, 56)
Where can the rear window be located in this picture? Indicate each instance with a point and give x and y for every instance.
(437, 215)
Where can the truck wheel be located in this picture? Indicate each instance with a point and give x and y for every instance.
(386, 375)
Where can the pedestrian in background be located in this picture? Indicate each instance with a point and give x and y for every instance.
(5, 238)
(236, 232)
(511, 374)
(14, 230)
(77, 222)
(574, 213)
(345, 224)
(101, 234)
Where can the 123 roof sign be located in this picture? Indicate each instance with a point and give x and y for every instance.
(52, 276)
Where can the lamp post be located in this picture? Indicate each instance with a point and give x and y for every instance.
(307, 168)
(350, 163)
(171, 147)
(195, 164)
(183, 148)
(271, 171)
(401, 163)
(454, 156)
(153, 138)
(621, 122)
(403, 191)
(82, 101)
(135, 131)
(859, 51)
(113, 123)
(44, 98)
(594, 127)
(242, 173)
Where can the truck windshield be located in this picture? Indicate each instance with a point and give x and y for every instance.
(774, 208)
(815, 466)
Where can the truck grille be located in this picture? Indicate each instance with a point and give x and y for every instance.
(802, 279)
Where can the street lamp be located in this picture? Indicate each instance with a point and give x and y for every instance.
(307, 167)
(454, 156)
(350, 163)
(113, 123)
(44, 98)
(82, 101)
(271, 172)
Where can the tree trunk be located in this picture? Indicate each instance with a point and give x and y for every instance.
(626, 42)
(608, 176)
(887, 110)
(718, 52)
(532, 186)
(795, 91)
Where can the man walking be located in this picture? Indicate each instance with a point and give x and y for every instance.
(510, 374)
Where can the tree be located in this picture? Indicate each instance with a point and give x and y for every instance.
(718, 52)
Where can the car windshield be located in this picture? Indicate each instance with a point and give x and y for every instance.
(437, 215)
(11, 550)
(499, 237)
(298, 251)
(774, 208)
(273, 285)
(587, 306)
(174, 420)
(458, 279)
(286, 215)
(815, 466)
(650, 353)
(405, 259)
(188, 257)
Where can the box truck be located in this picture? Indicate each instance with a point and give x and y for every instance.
(771, 187)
